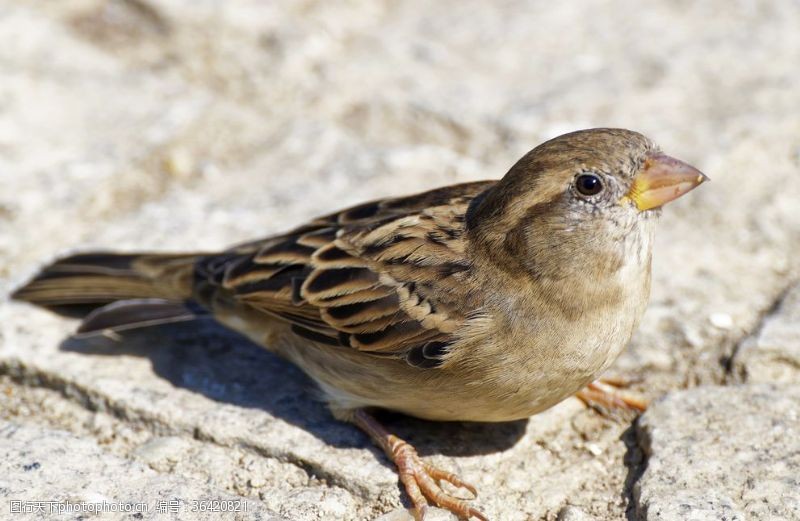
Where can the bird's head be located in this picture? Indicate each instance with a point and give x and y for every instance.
(582, 201)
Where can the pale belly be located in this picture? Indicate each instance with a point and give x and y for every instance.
(499, 378)
(492, 391)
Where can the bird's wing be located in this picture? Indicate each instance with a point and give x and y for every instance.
(384, 277)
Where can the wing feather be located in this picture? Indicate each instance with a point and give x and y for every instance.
(384, 277)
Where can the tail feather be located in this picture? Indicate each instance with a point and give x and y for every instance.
(125, 315)
(96, 279)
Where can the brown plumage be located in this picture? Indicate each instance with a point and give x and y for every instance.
(485, 301)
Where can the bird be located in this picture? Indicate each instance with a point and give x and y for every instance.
(484, 301)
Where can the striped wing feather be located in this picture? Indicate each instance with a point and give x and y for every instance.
(384, 277)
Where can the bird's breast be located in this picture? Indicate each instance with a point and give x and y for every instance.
(532, 353)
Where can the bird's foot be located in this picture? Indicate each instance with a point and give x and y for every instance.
(609, 394)
(422, 481)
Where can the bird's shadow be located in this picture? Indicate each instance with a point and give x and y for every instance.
(204, 357)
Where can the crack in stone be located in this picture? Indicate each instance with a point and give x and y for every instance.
(636, 461)
(728, 362)
(313, 471)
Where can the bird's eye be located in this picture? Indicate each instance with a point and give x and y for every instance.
(588, 184)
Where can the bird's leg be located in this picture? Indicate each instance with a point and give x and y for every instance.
(608, 393)
(421, 480)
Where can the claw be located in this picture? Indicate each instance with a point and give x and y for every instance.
(441, 475)
(422, 480)
(607, 393)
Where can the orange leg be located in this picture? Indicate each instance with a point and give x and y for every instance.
(607, 394)
(421, 480)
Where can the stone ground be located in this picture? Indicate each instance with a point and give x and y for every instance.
(186, 125)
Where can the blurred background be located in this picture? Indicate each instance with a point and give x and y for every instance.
(194, 124)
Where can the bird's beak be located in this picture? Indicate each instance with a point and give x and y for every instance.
(661, 180)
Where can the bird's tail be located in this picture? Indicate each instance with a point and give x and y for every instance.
(119, 291)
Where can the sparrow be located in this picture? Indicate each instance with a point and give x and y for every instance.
(485, 301)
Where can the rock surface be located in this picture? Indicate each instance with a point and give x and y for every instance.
(721, 453)
(49, 473)
(183, 125)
